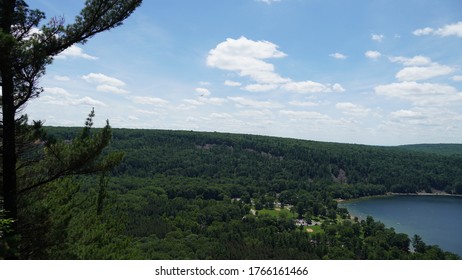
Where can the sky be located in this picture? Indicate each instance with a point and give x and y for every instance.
(376, 72)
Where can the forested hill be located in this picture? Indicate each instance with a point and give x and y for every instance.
(281, 163)
(191, 195)
(442, 149)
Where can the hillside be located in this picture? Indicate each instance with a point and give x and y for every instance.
(279, 163)
(441, 149)
(191, 195)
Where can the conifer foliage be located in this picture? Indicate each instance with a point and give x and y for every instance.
(26, 48)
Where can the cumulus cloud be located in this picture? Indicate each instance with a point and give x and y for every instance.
(417, 60)
(373, 54)
(423, 31)
(60, 97)
(338, 55)
(75, 52)
(420, 68)
(111, 89)
(57, 91)
(99, 78)
(416, 73)
(203, 91)
(88, 101)
(407, 114)
(352, 109)
(454, 29)
(421, 94)
(247, 58)
(106, 83)
(377, 37)
(309, 87)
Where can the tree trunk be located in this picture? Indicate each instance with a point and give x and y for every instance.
(9, 129)
(9, 148)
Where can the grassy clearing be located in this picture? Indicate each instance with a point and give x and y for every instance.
(278, 213)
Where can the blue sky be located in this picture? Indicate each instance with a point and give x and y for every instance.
(378, 72)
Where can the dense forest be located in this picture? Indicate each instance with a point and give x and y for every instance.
(442, 149)
(191, 195)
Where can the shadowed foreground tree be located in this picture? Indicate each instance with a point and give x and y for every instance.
(25, 51)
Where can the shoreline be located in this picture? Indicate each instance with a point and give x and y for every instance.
(390, 194)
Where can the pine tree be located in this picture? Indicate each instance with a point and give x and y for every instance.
(24, 55)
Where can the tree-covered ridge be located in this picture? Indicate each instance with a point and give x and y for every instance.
(190, 195)
(442, 149)
(280, 163)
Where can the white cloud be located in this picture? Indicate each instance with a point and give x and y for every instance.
(338, 88)
(106, 83)
(99, 78)
(417, 60)
(248, 102)
(421, 94)
(150, 100)
(454, 29)
(407, 114)
(338, 56)
(423, 31)
(419, 68)
(457, 78)
(246, 57)
(61, 97)
(260, 87)
(416, 73)
(111, 89)
(377, 37)
(75, 52)
(57, 91)
(372, 54)
(232, 83)
(353, 109)
(88, 101)
(203, 91)
(311, 87)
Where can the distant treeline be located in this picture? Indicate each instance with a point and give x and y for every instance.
(442, 149)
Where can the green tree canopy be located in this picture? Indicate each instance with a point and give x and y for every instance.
(26, 48)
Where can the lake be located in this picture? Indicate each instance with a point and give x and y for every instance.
(437, 219)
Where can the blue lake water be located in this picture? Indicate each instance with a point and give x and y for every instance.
(437, 219)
